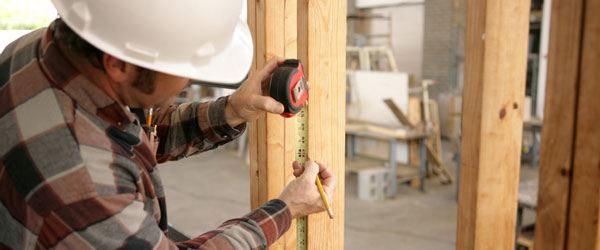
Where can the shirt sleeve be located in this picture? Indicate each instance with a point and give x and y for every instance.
(256, 230)
(190, 128)
(121, 221)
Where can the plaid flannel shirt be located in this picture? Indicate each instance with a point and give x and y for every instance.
(76, 168)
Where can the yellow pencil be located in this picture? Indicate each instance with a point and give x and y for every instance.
(329, 211)
(149, 122)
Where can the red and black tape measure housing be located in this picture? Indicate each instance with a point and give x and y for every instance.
(288, 86)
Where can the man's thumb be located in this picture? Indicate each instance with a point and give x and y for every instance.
(269, 104)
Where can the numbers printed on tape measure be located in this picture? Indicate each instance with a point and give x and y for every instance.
(301, 153)
(301, 157)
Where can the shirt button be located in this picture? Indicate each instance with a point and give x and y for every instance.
(119, 123)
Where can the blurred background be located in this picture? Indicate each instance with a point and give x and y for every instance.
(405, 75)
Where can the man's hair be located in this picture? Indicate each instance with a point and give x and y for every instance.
(64, 35)
(73, 42)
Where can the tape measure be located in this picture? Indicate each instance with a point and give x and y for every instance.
(301, 156)
(288, 86)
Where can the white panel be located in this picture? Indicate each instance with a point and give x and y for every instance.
(368, 89)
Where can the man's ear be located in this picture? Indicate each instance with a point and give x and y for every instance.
(117, 70)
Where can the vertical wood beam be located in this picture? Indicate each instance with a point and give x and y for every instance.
(558, 130)
(583, 231)
(267, 133)
(495, 67)
(291, 51)
(315, 32)
(272, 24)
(322, 47)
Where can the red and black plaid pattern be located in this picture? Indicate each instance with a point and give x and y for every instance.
(76, 168)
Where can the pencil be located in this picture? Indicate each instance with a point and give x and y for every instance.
(329, 211)
(149, 122)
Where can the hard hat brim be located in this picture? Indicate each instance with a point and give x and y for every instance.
(229, 66)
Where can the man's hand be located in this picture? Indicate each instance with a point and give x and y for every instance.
(251, 99)
(302, 195)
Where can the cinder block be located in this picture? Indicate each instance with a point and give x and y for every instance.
(373, 183)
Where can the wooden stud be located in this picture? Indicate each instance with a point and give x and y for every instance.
(322, 47)
(291, 51)
(271, 136)
(558, 130)
(495, 68)
(583, 228)
(267, 133)
(291, 29)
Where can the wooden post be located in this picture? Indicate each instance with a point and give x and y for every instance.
(322, 46)
(558, 129)
(272, 23)
(569, 195)
(315, 32)
(495, 67)
(583, 229)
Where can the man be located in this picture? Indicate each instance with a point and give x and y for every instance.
(76, 167)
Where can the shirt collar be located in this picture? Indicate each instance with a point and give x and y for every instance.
(86, 94)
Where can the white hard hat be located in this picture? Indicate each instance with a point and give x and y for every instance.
(202, 40)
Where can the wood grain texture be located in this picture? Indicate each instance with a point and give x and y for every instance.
(324, 23)
(271, 136)
(469, 166)
(291, 29)
(558, 130)
(585, 185)
(291, 51)
(495, 67)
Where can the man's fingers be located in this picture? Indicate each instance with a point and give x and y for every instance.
(268, 104)
(265, 74)
(298, 170)
(311, 169)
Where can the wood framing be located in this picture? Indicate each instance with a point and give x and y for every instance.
(272, 23)
(322, 25)
(315, 32)
(583, 231)
(556, 154)
(495, 67)
(568, 207)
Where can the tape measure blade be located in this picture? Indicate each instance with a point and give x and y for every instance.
(301, 146)
(301, 233)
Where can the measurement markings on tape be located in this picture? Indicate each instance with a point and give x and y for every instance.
(288, 86)
(301, 147)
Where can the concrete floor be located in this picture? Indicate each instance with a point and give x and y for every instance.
(205, 190)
